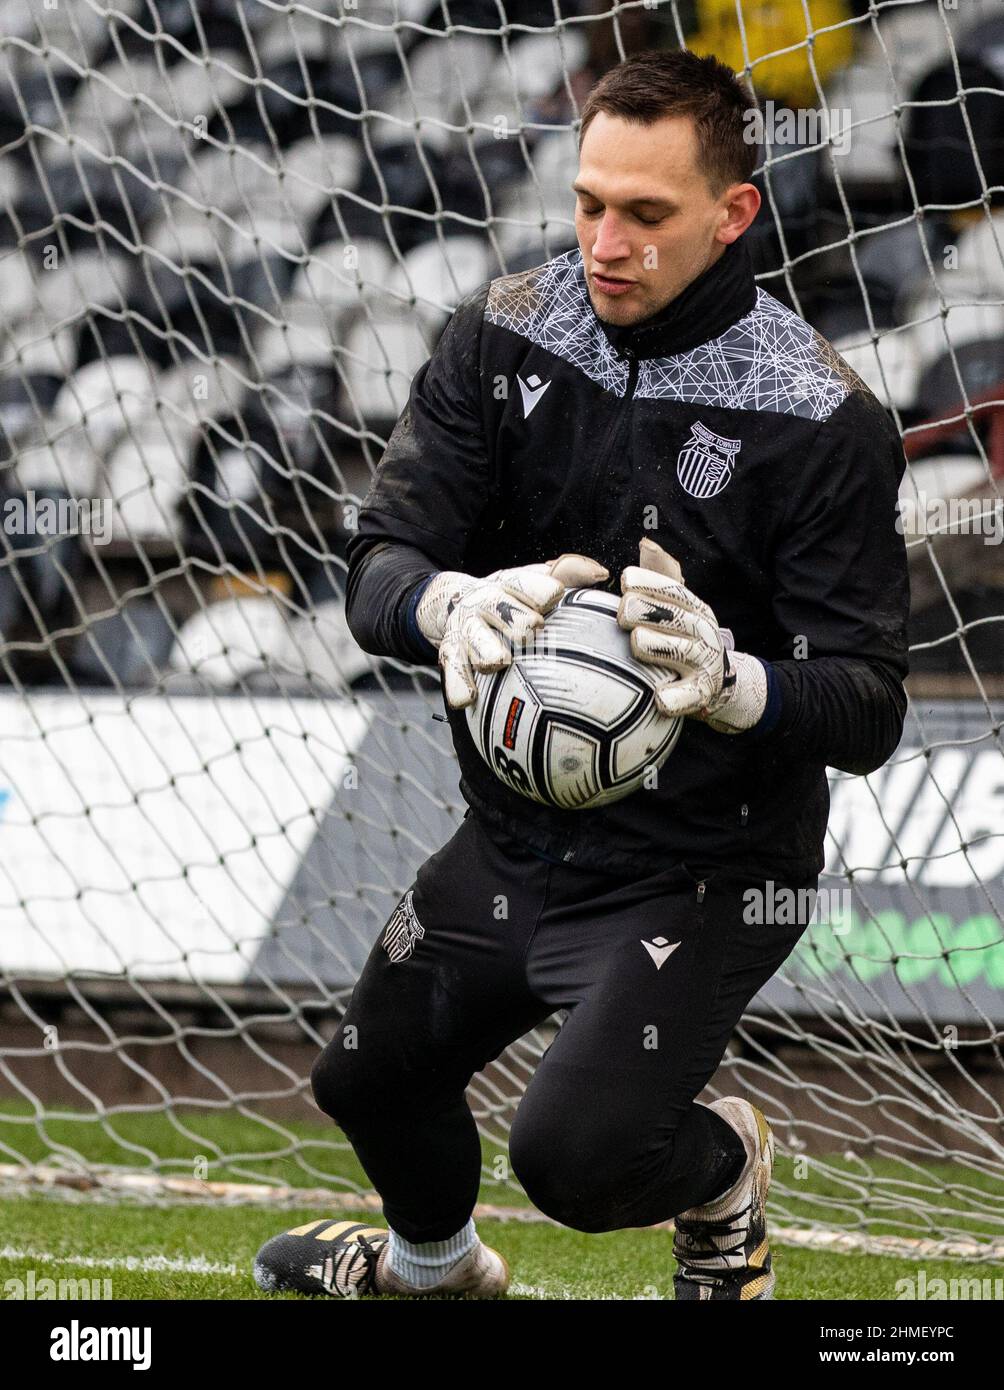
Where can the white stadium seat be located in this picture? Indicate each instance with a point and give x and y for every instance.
(303, 337)
(330, 276)
(890, 367)
(106, 396)
(146, 479)
(438, 275)
(381, 356)
(230, 639)
(195, 392)
(319, 645)
(313, 168)
(31, 345)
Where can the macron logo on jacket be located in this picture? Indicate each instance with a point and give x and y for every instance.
(531, 390)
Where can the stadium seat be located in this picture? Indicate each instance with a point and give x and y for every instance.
(894, 257)
(13, 180)
(910, 40)
(446, 78)
(947, 149)
(191, 307)
(103, 102)
(265, 232)
(980, 368)
(195, 392)
(392, 175)
(985, 39)
(872, 159)
(322, 93)
(32, 345)
(332, 275)
(232, 180)
(129, 648)
(380, 358)
(84, 278)
(495, 162)
(966, 320)
(182, 233)
(87, 191)
(227, 640)
(25, 401)
(19, 276)
(146, 479)
(437, 275)
(263, 281)
(78, 30)
(313, 169)
(303, 336)
(529, 216)
(889, 367)
(318, 647)
(66, 460)
(105, 397)
(981, 256)
(47, 566)
(296, 402)
(940, 476)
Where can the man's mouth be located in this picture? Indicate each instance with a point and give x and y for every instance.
(608, 284)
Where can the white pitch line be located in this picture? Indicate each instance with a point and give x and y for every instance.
(145, 1264)
(197, 1264)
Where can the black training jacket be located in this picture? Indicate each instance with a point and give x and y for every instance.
(729, 431)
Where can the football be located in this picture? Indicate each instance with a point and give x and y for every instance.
(573, 721)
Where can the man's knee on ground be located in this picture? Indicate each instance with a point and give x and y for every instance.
(558, 1180)
(337, 1082)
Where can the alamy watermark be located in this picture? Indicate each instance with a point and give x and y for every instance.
(31, 1288)
(801, 126)
(32, 515)
(781, 906)
(953, 1290)
(969, 516)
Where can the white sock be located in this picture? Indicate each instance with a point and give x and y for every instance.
(424, 1264)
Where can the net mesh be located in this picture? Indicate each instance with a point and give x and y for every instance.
(230, 234)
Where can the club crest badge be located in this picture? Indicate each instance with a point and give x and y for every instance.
(704, 465)
(402, 931)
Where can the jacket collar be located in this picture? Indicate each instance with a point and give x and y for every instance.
(718, 298)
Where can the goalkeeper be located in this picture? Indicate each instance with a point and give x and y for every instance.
(630, 403)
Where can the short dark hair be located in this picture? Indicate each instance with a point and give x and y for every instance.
(648, 86)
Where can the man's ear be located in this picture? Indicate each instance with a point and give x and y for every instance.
(652, 557)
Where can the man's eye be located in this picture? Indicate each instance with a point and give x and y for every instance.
(649, 221)
(590, 212)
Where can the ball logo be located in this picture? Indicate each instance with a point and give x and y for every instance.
(512, 722)
(704, 465)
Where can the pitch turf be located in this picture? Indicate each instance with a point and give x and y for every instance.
(204, 1250)
(205, 1253)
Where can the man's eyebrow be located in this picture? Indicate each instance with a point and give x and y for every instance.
(635, 202)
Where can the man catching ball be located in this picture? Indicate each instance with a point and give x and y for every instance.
(635, 414)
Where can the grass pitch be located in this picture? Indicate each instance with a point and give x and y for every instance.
(203, 1250)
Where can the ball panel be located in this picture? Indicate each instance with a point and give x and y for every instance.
(572, 722)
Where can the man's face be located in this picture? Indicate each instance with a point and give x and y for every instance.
(645, 216)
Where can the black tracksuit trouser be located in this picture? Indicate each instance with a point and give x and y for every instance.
(655, 974)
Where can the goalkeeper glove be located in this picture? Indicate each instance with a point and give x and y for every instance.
(468, 619)
(672, 628)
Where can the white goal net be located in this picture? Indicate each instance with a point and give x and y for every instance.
(230, 233)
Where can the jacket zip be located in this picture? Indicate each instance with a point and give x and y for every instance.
(615, 426)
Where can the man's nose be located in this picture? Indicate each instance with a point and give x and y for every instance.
(611, 242)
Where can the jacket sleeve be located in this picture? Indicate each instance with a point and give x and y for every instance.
(428, 493)
(842, 596)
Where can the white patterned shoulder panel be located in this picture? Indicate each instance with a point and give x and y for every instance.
(771, 360)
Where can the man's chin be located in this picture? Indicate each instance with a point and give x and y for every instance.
(613, 310)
